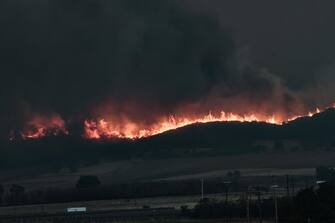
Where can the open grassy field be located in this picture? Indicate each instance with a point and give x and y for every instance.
(299, 163)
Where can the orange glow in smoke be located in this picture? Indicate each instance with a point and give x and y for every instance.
(103, 128)
(40, 126)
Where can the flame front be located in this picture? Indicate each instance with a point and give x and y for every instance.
(103, 128)
(124, 128)
(41, 125)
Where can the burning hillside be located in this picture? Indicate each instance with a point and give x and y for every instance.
(41, 126)
(95, 129)
(120, 69)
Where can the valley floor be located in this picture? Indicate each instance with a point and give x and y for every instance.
(278, 164)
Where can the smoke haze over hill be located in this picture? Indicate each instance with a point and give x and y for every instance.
(77, 60)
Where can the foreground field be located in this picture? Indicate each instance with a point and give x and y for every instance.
(124, 204)
(299, 163)
(119, 204)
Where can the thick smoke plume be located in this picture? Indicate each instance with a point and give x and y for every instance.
(125, 60)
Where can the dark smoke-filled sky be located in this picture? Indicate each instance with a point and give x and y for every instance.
(292, 38)
(140, 60)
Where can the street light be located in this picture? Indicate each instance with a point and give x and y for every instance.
(320, 182)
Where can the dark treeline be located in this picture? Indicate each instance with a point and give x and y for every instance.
(312, 205)
(89, 188)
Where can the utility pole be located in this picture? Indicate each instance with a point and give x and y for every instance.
(276, 207)
(248, 207)
(226, 194)
(227, 207)
(259, 205)
(292, 180)
(227, 184)
(202, 188)
(288, 185)
(274, 187)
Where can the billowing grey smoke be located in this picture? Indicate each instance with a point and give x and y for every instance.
(143, 58)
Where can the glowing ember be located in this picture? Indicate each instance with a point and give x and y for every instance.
(41, 126)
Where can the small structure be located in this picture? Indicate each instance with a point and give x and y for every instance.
(76, 210)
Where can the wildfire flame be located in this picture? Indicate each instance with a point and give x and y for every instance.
(40, 126)
(102, 128)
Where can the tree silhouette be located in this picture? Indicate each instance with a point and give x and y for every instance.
(306, 204)
(88, 182)
(17, 194)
